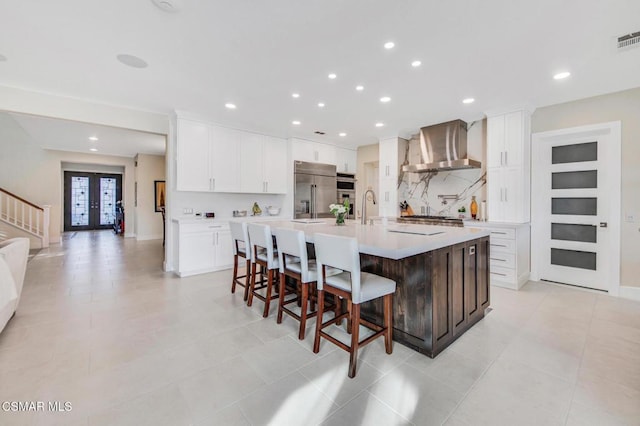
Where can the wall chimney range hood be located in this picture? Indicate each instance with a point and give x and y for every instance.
(443, 147)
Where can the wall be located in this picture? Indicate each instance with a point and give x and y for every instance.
(625, 107)
(36, 174)
(421, 190)
(368, 161)
(149, 168)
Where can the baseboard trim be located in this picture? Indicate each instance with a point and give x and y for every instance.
(148, 237)
(627, 292)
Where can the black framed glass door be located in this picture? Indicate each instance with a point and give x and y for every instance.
(90, 200)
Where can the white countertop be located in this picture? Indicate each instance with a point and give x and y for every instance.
(192, 219)
(379, 240)
(486, 224)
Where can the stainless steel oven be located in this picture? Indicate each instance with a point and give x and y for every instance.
(351, 196)
(346, 181)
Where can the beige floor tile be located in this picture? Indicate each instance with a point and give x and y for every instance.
(230, 416)
(278, 358)
(416, 396)
(290, 400)
(365, 410)
(616, 399)
(586, 415)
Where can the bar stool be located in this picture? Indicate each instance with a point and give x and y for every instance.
(263, 254)
(295, 263)
(355, 286)
(241, 248)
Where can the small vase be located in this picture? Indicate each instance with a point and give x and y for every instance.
(340, 220)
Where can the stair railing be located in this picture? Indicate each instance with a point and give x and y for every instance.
(25, 215)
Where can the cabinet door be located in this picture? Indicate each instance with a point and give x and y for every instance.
(302, 150)
(459, 288)
(513, 138)
(251, 166)
(495, 141)
(346, 160)
(388, 154)
(326, 153)
(225, 159)
(441, 283)
(512, 194)
(193, 156)
(224, 249)
(495, 195)
(275, 165)
(197, 251)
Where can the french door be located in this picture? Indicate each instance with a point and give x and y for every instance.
(90, 200)
(576, 206)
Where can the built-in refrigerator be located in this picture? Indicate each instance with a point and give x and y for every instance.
(314, 189)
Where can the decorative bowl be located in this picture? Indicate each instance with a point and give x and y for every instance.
(273, 211)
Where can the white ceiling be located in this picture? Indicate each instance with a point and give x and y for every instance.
(257, 53)
(52, 133)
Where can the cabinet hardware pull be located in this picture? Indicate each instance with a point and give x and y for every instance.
(502, 158)
(214, 184)
(501, 233)
(506, 162)
(266, 187)
(498, 273)
(472, 251)
(495, 258)
(505, 195)
(497, 245)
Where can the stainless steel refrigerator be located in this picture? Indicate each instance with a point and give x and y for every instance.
(314, 190)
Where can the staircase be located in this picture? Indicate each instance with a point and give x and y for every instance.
(26, 216)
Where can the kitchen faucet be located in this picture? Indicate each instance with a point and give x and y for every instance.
(363, 219)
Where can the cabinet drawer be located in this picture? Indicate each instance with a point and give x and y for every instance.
(502, 260)
(499, 245)
(502, 274)
(202, 227)
(506, 233)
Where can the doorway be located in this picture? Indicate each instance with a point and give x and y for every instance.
(575, 223)
(90, 200)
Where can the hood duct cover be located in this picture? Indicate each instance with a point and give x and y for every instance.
(443, 147)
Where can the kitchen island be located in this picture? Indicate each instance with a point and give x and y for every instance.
(442, 276)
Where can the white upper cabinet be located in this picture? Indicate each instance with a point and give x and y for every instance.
(224, 151)
(508, 167)
(391, 153)
(346, 160)
(313, 152)
(218, 159)
(264, 164)
(193, 156)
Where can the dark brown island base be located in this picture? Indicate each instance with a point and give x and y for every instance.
(440, 294)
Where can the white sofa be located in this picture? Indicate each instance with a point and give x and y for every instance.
(14, 254)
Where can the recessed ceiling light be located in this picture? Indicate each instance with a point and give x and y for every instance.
(3, 58)
(93, 138)
(321, 104)
(332, 76)
(561, 75)
(468, 101)
(389, 45)
(295, 95)
(342, 135)
(359, 88)
(93, 149)
(132, 61)
(379, 124)
(385, 99)
(416, 64)
(295, 122)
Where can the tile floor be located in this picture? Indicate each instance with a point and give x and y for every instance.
(101, 326)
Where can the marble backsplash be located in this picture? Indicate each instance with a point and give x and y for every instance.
(422, 190)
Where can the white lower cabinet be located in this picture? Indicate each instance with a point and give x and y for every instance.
(203, 247)
(509, 252)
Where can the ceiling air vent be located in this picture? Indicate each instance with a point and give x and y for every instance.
(318, 132)
(628, 41)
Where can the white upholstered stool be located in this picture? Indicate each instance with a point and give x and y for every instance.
(241, 249)
(263, 254)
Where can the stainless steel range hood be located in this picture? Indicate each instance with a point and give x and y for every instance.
(443, 147)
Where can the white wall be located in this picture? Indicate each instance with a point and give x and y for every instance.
(148, 222)
(36, 174)
(625, 107)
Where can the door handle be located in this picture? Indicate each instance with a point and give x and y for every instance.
(502, 158)
(603, 224)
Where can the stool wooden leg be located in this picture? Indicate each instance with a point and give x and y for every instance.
(253, 284)
(281, 298)
(313, 296)
(316, 340)
(269, 288)
(388, 322)
(349, 305)
(355, 331)
(247, 279)
(338, 308)
(235, 273)
(303, 312)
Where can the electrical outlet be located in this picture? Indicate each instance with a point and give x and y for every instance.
(630, 217)
(187, 211)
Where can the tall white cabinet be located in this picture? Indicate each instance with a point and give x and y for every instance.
(509, 167)
(391, 155)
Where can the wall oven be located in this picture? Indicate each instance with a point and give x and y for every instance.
(346, 186)
(346, 181)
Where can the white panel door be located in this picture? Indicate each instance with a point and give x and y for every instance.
(193, 156)
(575, 227)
